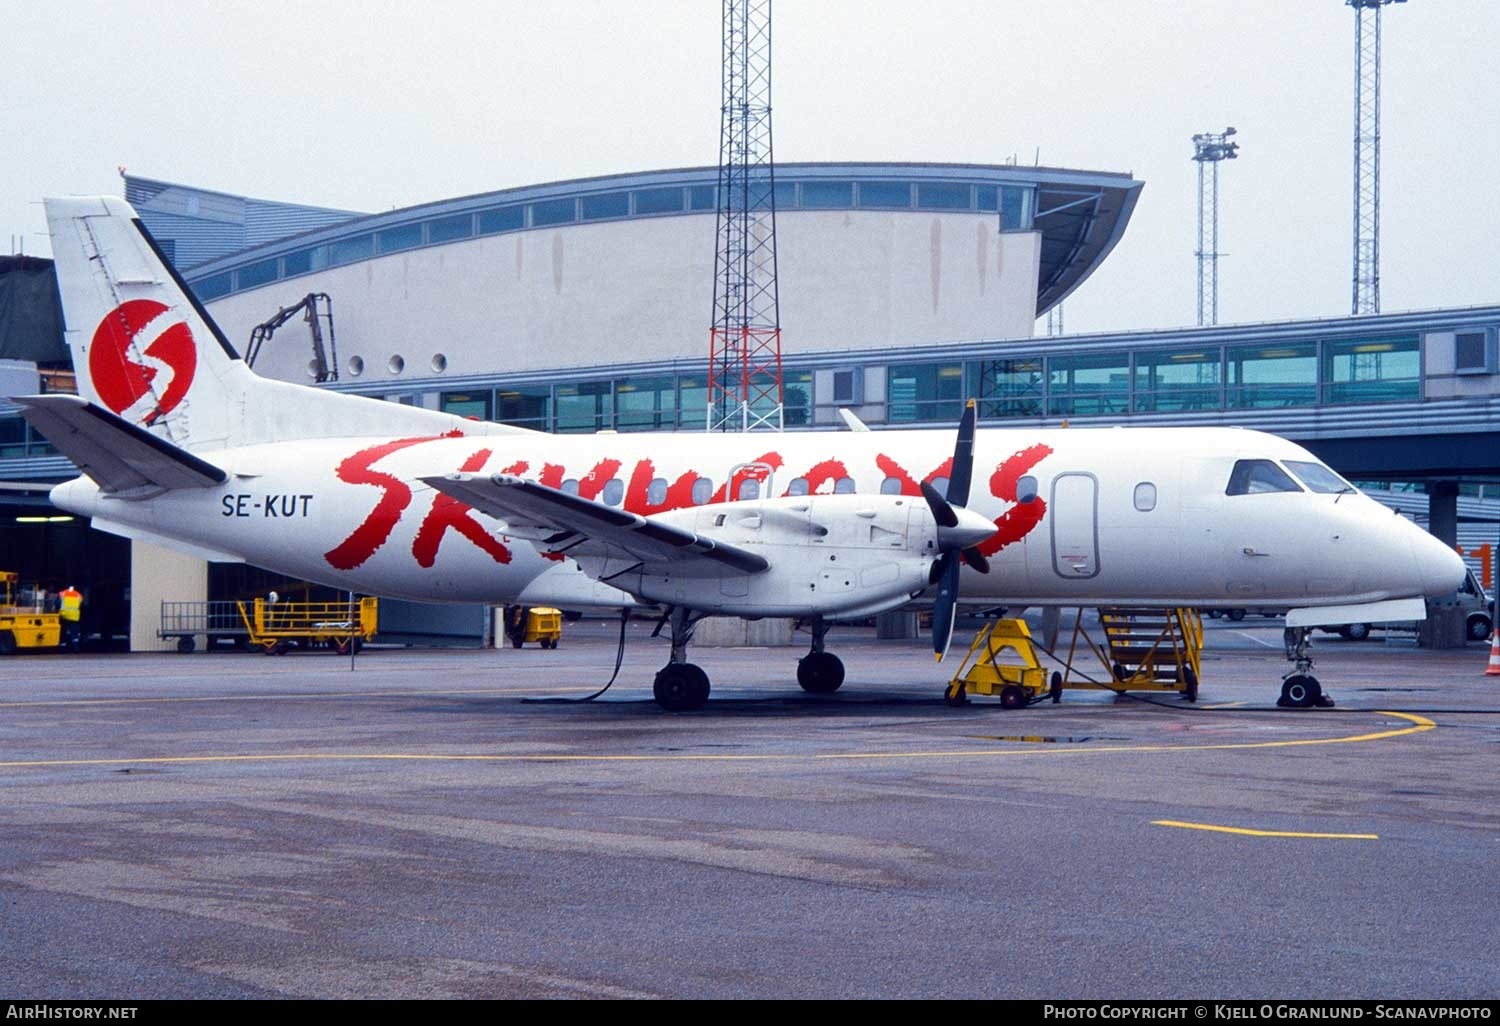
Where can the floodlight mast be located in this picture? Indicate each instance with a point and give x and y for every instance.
(1367, 154)
(744, 374)
(1209, 148)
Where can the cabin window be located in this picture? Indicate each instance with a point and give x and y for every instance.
(1318, 478)
(749, 489)
(940, 485)
(1251, 477)
(614, 491)
(570, 486)
(1026, 488)
(1145, 496)
(844, 486)
(890, 486)
(703, 491)
(797, 487)
(656, 491)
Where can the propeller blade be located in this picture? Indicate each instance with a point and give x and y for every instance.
(945, 605)
(963, 457)
(975, 559)
(941, 511)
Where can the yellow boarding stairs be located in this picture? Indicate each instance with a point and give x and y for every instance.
(1142, 650)
(1146, 650)
(273, 626)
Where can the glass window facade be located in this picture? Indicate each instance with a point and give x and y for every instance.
(446, 229)
(987, 198)
(797, 398)
(1016, 208)
(502, 219)
(827, 195)
(256, 274)
(692, 402)
(406, 236)
(1008, 388)
(786, 195)
(703, 197)
(1374, 371)
(646, 404)
(1091, 384)
(214, 286)
(1269, 377)
(585, 407)
(525, 406)
(943, 196)
(1174, 381)
(476, 404)
(559, 211)
(305, 261)
(347, 251)
(609, 204)
(885, 194)
(12, 438)
(658, 201)
(924, 391)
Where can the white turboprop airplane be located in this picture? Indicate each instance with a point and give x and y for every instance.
(182, 445)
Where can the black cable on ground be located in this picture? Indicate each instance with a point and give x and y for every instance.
(619, 659)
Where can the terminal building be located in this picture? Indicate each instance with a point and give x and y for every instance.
(584, 306)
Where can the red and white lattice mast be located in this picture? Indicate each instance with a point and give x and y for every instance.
(744, 380)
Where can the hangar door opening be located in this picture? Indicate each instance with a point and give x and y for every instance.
(1075, 525)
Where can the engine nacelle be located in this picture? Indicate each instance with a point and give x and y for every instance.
(829, 555)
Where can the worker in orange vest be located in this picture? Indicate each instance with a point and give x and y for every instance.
(70, 611)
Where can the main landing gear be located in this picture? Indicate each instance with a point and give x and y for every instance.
(1299, 688)
(680, 686)
(820, 672)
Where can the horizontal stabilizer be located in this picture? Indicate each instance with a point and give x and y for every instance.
(124, 460)
(561, 522)
(1389, 611)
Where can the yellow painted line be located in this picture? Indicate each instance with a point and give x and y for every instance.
(1420, 724)
(290, 696)
(1247, 832)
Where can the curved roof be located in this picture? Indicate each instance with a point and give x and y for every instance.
(1080, 214)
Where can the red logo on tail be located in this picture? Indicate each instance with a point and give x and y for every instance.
(122, 382)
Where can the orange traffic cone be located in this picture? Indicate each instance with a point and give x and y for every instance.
(1494, 668)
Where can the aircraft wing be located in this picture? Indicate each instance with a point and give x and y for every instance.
(559, 522)
(120, 457)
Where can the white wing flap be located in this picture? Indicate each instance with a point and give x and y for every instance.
(558, 522)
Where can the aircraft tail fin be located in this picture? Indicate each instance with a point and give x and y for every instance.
(146, 350)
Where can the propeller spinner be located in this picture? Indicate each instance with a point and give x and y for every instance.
(959, 531)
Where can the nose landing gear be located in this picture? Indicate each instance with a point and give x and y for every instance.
(820, 672)
(1299, 688)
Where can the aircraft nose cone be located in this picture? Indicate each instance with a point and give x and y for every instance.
(971, 529)
(1441, 568)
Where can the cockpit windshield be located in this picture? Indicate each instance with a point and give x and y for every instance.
(1319, 478)
(1253, 477)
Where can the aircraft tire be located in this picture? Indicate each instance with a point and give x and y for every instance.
(820, 673)
(681, 687)
(1300, 691)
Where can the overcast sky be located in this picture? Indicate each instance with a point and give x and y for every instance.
(371, 106)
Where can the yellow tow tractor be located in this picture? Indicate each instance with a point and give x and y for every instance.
(275, 626)
(22, 624)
